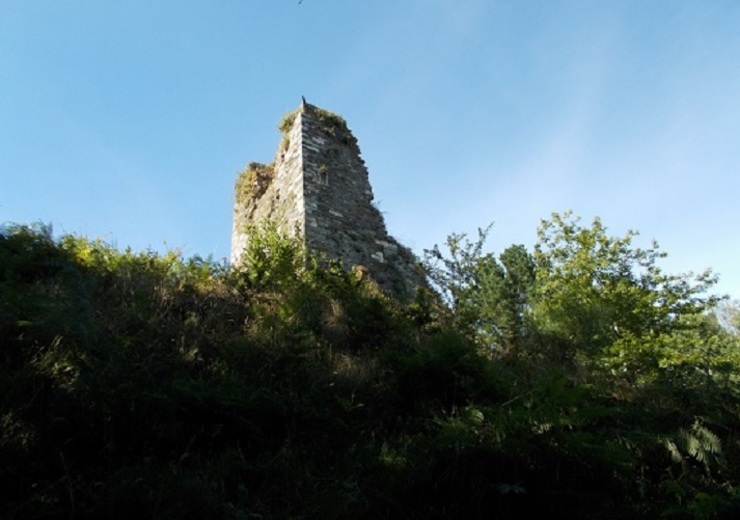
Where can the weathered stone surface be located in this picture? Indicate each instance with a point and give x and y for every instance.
(317, 188)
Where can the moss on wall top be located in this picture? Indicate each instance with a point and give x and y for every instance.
(253, 181)
(334, 125)
(329, 122)
(286, 123)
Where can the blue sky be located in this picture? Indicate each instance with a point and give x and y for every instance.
(128, 120)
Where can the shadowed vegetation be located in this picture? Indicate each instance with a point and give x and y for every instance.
(577, 380)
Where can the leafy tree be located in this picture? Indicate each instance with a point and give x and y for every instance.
(617, 364)
(488, 296)
(593, 289)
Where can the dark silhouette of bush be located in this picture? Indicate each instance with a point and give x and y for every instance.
(147, 385)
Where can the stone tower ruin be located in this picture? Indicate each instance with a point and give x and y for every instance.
(317, 189)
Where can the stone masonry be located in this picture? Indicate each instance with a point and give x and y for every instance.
(317, 188)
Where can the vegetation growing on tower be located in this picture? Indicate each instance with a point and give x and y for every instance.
(253, 181)
(330, 122)
(334, 125)
(286, 123)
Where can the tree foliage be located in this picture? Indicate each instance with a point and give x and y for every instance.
(489, 296)
(577, 377)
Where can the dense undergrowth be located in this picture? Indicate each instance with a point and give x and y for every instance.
(578, 381)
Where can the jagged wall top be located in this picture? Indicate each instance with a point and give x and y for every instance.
(317, 188)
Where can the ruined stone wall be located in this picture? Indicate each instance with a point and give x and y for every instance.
(320, 191)
(276, 196)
